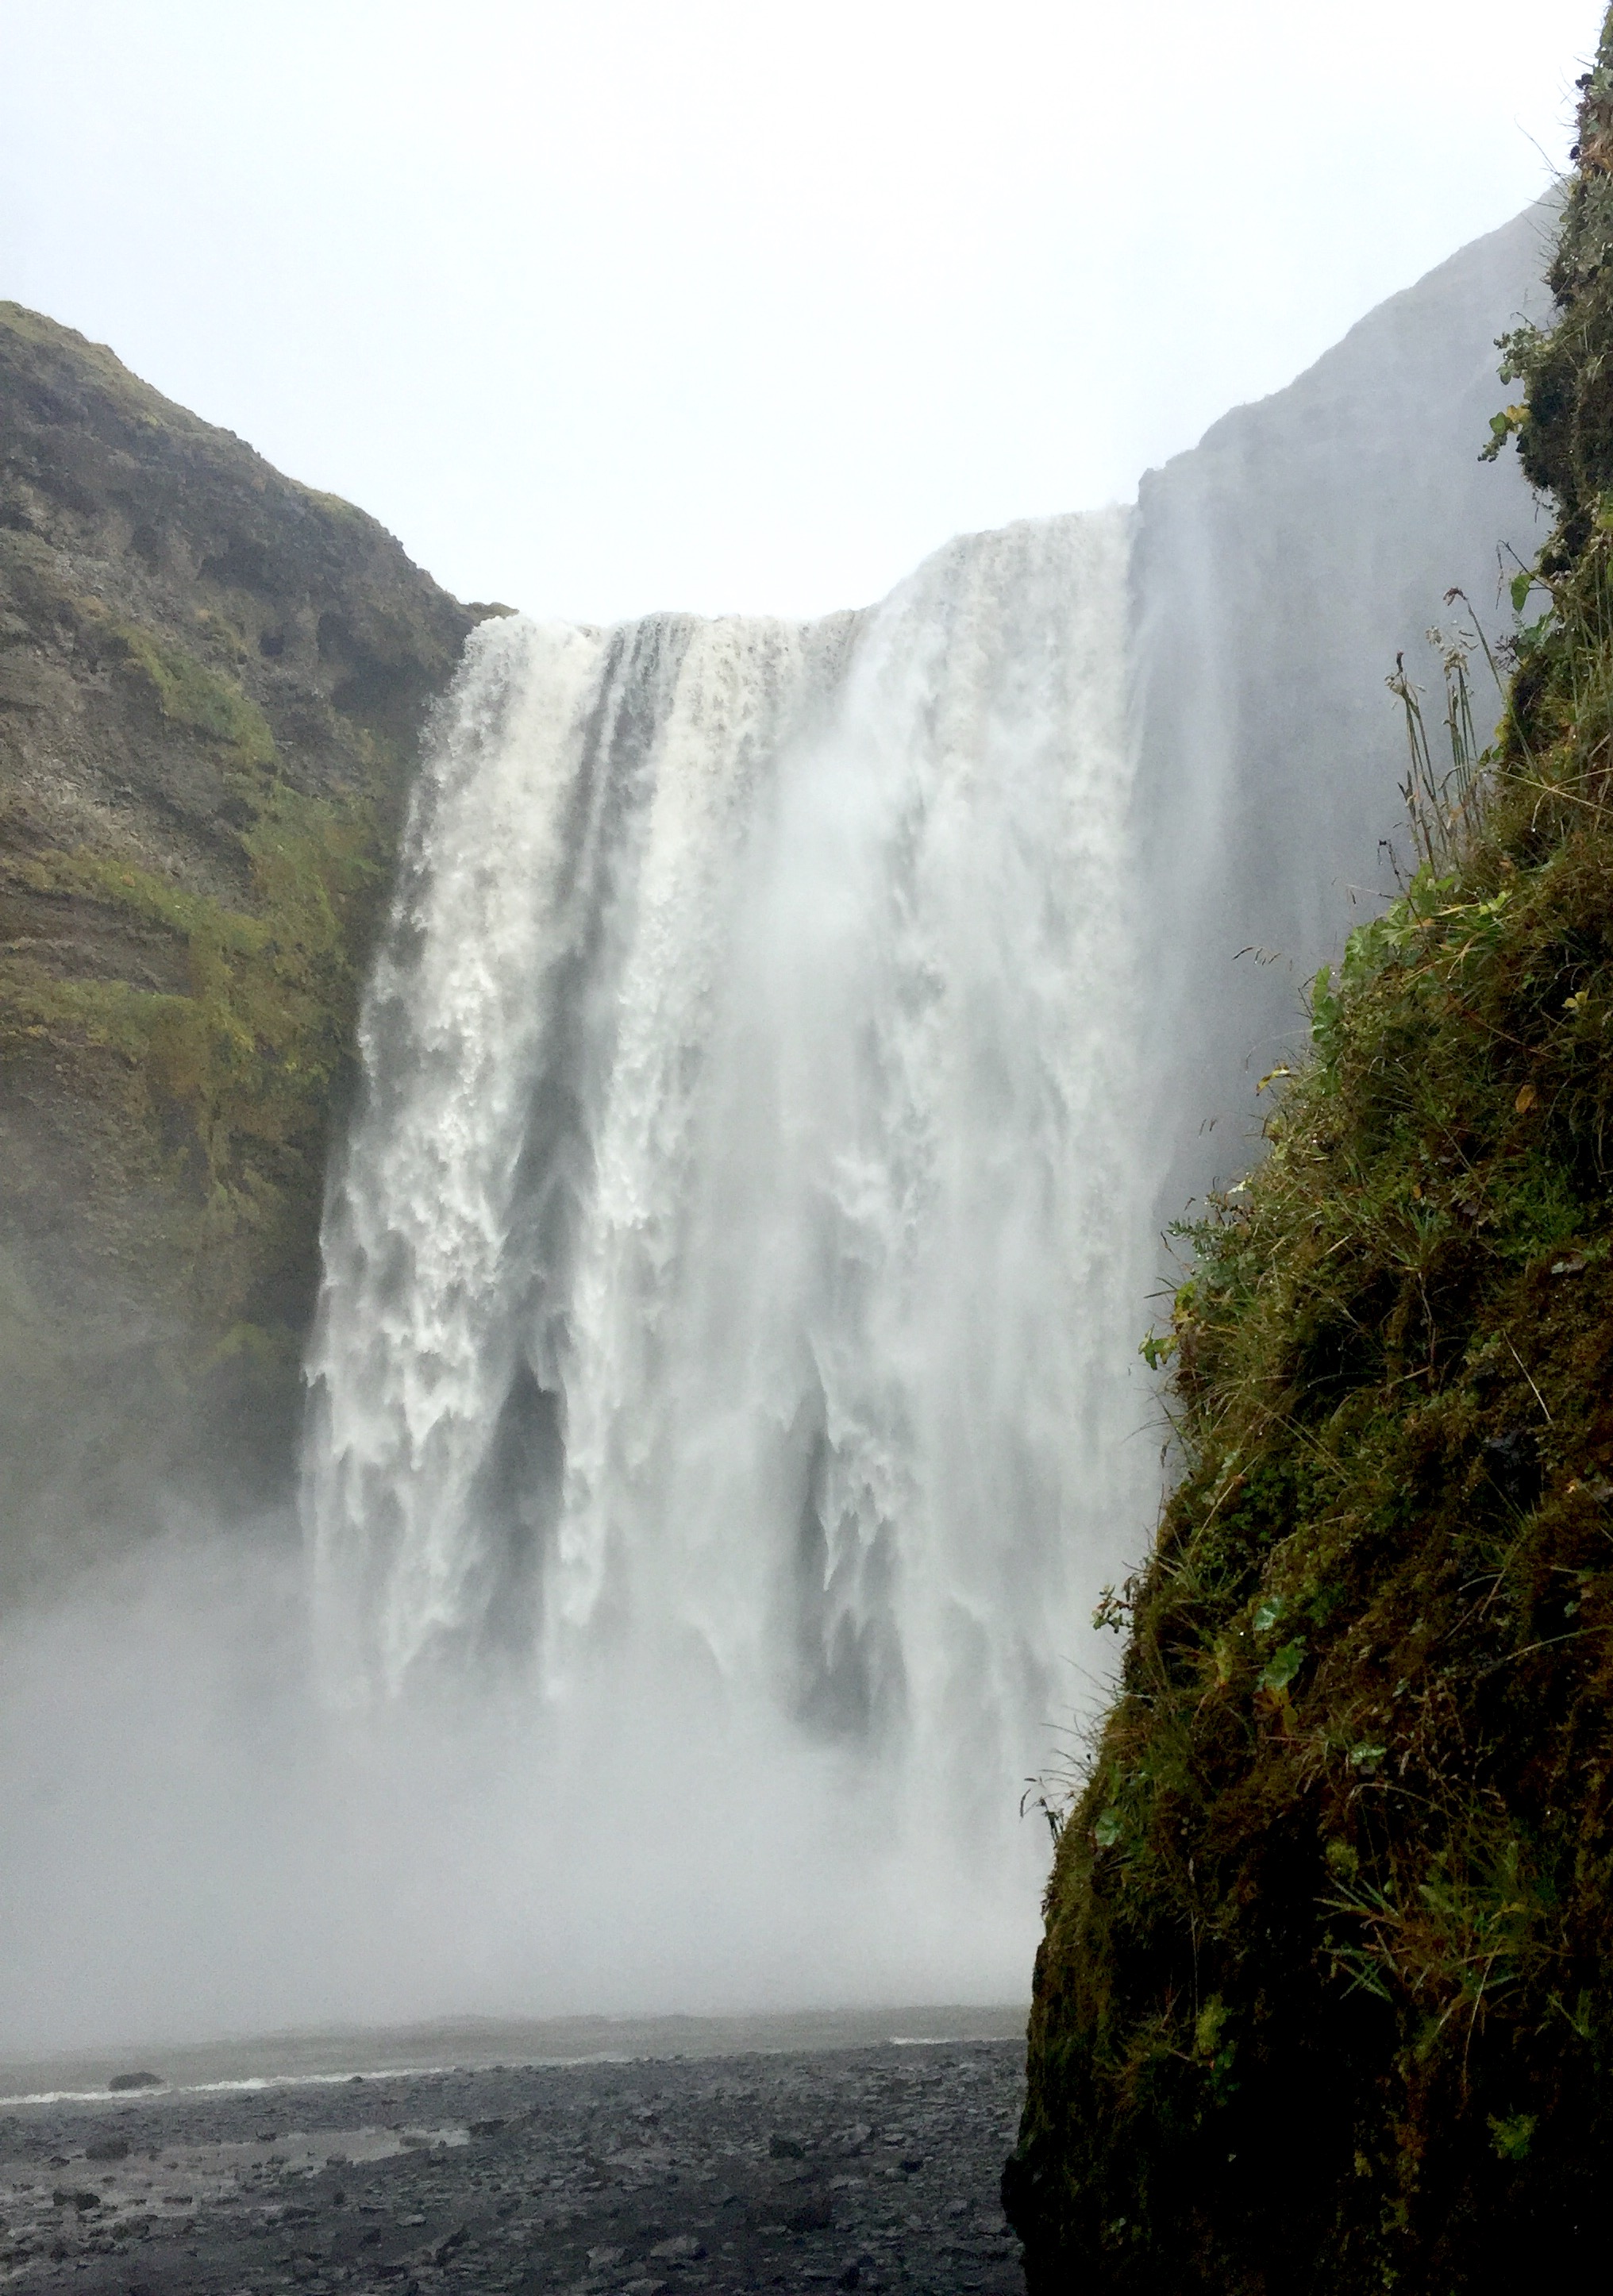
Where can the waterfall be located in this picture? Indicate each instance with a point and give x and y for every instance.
(731, 1282)
(725, 1407)
(725, 1403)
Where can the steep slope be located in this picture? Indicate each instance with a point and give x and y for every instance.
(1326, 1994)
(211, 683)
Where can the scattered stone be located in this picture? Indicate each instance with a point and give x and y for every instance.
(814, 2213)
(634, 2178)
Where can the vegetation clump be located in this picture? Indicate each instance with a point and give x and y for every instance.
(1326, 1994)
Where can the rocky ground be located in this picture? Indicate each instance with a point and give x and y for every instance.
(871, 2168)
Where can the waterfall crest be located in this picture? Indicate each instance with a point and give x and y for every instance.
(730, 1276)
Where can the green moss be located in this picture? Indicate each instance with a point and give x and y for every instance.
(190, 695)
(1326, 1994)
(1357, 1788)
(226, 1088)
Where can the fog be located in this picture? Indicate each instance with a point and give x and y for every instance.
(197, 1846)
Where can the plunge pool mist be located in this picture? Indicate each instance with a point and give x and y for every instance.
(722, 1399)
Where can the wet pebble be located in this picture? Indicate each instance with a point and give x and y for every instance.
(870, 2169)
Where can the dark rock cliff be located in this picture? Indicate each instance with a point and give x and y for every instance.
(212, 682)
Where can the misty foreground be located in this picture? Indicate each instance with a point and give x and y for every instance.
(871, 2168)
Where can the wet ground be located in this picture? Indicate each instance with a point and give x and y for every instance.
(872, 2167)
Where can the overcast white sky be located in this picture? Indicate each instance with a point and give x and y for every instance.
(732, 303)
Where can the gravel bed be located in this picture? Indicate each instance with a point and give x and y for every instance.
(873, 2168)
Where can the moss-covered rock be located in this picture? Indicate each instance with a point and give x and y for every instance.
(1326, 1995)
(211, 685)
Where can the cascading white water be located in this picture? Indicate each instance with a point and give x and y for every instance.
(721, 1412)
(730, 1285)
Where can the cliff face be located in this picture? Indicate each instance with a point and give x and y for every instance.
(211, 685)
(1279, 566)
(1326, 1994)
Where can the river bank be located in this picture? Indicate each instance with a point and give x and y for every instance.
(872, 2167)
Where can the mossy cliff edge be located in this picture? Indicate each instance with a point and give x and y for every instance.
(1325, 2000)
(212, 682)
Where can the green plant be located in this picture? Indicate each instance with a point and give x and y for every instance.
(1443, 806)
